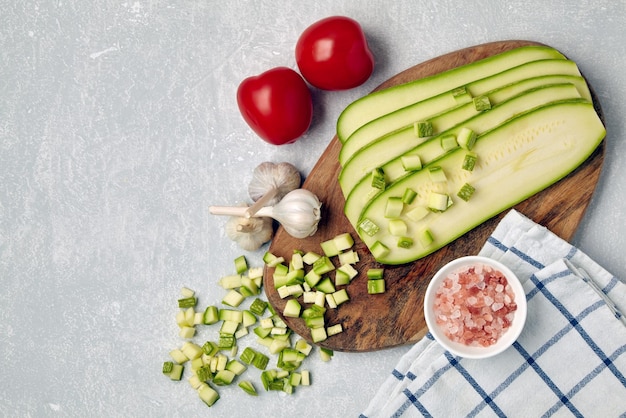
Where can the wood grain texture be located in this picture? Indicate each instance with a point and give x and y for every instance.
(373, 322)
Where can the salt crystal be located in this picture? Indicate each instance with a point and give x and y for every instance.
(497, 306)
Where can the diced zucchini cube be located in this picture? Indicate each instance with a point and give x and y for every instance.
(292, 308)
(482, 103)
(306, 378)
(368, 227)
(325, 285)
(258, 307)
(411, 162)
(378, 179)
(224, 377)
(241, 264)
(425, 237)
(233, 298)
(308, 297)
(303, 347)
(348, 257)
(408, 196)
(341, 296)
(236, 367)
(208, 395)
(231, 281)
(248, 387)
(405, 242)
(334, 330)
(233, 315)
(437, 175)
(379, 249)
(466, 138)
(448, 142)
(177, 372)
(423, 129)
(255, 272)
(318, 334)
(466, 192)
(310, 257)
(191, 350)
(296, 262)
(375, 273)
(320, 298)
(329, 248)
(469, 162)
(349, 270)
(393, 208)
(323, 265)
(188, 302)
(459, 92)
(211, 315)
(341, 278)
(312, 278)
(210, 348)
(187, 332)
(167, 367)
(343, 241)
(397, 227)
(375, 286)
(438, 201)
(417, 213)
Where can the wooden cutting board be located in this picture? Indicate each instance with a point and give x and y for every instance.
(373, 322)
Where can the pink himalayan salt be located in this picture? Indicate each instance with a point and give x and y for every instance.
(475, 305)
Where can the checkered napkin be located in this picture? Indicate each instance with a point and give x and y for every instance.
(570, 359)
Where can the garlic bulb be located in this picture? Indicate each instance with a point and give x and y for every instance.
(249, 233)
(270, 183)
(299, 212)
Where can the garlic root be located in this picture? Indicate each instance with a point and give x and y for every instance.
(250, 233)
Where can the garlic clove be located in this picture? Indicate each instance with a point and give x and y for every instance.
(270, 183)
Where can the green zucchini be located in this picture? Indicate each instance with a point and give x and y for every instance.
(516, 160)
(386, 153)
(522, 77)
(386, 101)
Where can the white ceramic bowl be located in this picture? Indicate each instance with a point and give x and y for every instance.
(462, 350)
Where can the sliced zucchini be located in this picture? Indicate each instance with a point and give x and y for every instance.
(518, 159)
(388, 100)
(521, 78)
(359, 192)
(453, 122)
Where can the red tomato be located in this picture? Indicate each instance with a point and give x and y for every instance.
(276, 104)
(332, 54)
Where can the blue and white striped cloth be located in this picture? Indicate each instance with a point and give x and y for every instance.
(570, 359)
